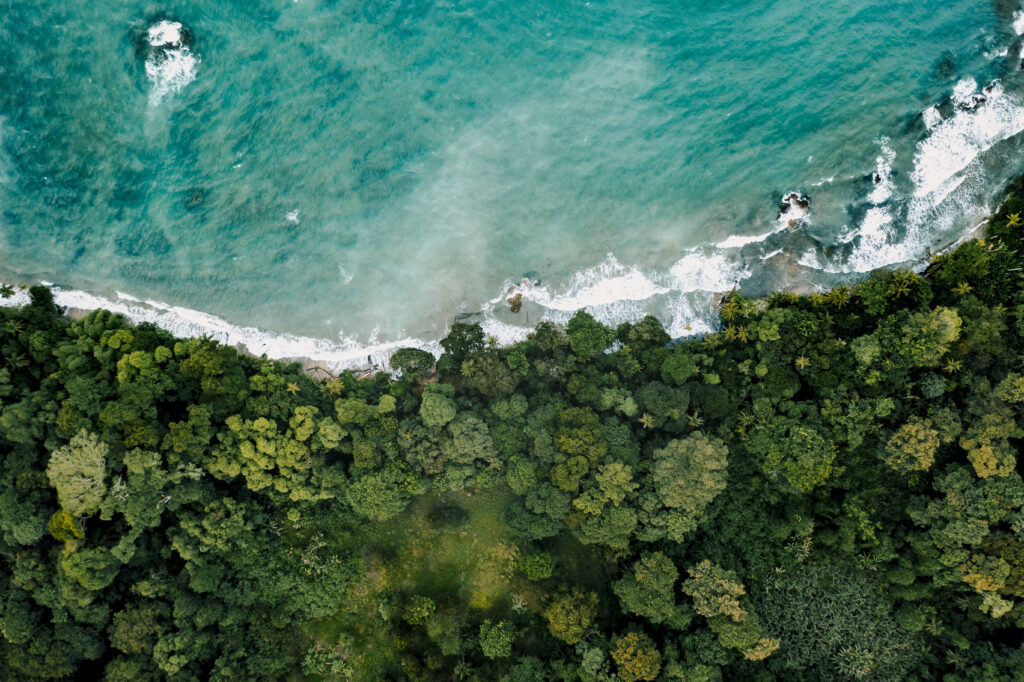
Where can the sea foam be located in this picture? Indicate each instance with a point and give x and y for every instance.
(943, 160)
(609, 282)
(171, 66)
(185, 322)
(956, 141)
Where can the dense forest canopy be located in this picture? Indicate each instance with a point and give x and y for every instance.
(829, 488)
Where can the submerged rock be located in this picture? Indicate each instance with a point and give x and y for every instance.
(971, 103)
(964, 97)
(165, 49)
(794, 199)
(160, 37)
(793, 208)
(196, 198)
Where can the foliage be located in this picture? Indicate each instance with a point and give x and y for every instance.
(715, 591)
(649, 590)
(496, 639)
(837, 474)
(636, 657)
(835, 622)
(569, 612)
(76, 471)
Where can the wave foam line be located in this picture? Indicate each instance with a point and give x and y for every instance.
(172, 65)
(613, 293)
(943, 161)
(683, 296)
(610, 283)
(606, 283)
(185, 322)
(954, 143)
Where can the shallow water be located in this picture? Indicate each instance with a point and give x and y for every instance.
(359, 173)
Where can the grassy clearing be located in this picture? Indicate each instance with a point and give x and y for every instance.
(453, 548)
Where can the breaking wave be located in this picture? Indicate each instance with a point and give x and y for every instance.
(171, 65)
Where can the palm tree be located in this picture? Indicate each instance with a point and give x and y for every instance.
(730, 310)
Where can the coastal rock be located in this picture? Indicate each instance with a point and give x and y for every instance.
(168, 34)
(516, 302)
(164, 48)
(794, 199)
(965, 98)
(793, 208)
(161, 36)
(972, 102)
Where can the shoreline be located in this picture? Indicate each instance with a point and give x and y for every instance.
(335, 358)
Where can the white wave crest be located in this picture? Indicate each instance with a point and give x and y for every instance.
(613, 293)
(165, 33)
(185, 322)
(809, 259)
(874, 250)
(794, 210)
(958, 140)
(931, 117)
(690, 315)
(738, 241)
(714, 273)
(604, 284)
(882, 177)
(943, 161)
(172, 65)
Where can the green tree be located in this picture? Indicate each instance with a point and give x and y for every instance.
(437, 410)
(912, 447)
(797, 453)
(537, 566)
(413, 363)
(649, 590)
(688, 474)
(93, 568)
(612, 527)
(636, 657)
(587, 336)
(462, 341)
(77, 471)
(715, 591)
(378, 496)
(569, 613)
(987, 444)
(679, 367)
(419, 609)
(496, 639)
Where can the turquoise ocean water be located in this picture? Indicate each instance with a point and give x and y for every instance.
(330, 178)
